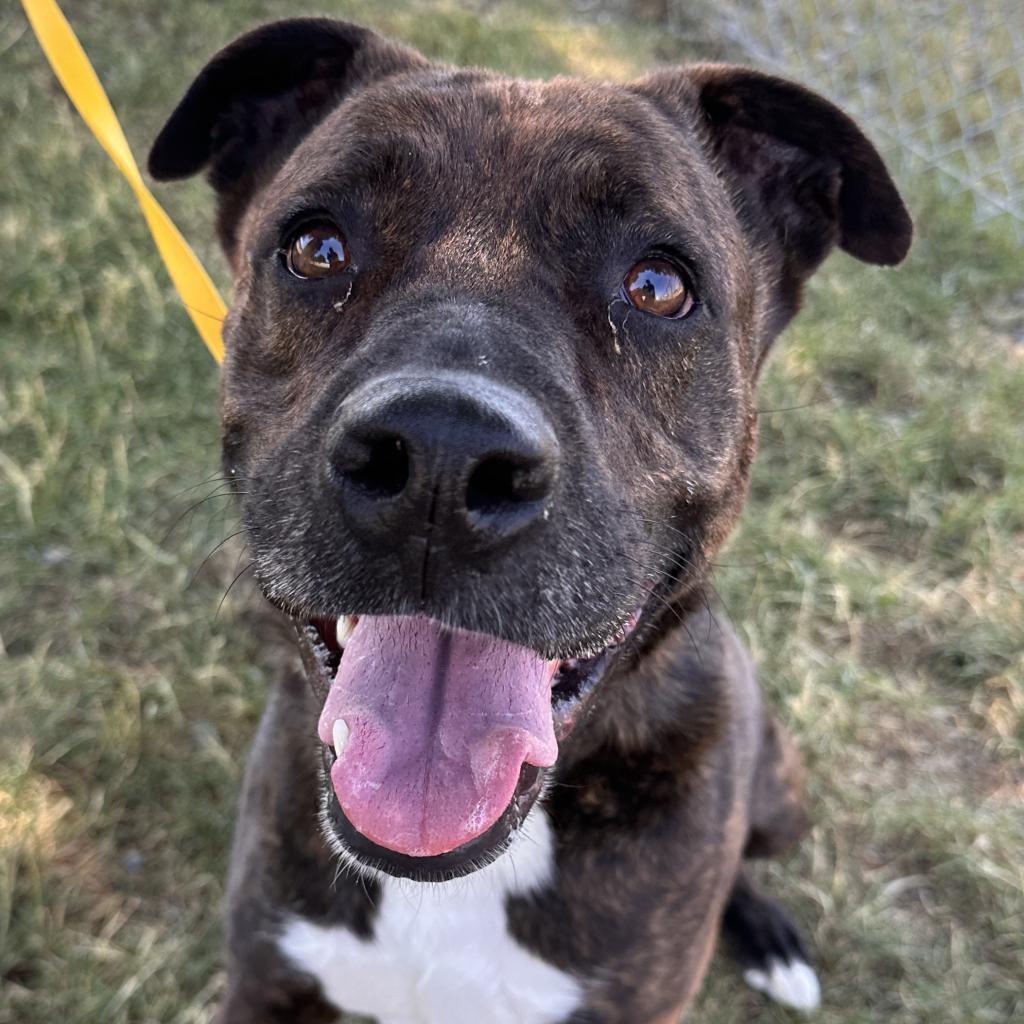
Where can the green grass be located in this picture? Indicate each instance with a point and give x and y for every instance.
(877, 576)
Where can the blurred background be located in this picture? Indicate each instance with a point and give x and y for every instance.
(877, 577)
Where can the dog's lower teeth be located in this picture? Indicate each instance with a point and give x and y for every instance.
(340, 735)
(344, 629)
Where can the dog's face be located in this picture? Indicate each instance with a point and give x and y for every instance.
(488, 393)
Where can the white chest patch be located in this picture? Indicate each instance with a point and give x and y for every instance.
(442, 954)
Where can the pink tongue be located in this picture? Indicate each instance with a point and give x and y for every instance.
(440, 726)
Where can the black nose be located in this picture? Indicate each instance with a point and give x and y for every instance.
(470, 462)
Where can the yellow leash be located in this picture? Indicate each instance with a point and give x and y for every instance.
(76, 74)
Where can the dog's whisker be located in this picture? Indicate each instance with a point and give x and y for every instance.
(795, 408)
(220, 544)
(705, 583)
(191, 509)
(217, 477)
(667, 606)
(237, 577)
(203, 313)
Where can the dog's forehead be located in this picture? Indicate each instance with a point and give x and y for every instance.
(491, 179)
(481, 135)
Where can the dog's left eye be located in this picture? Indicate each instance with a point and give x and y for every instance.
(317, 250)
(658, 286)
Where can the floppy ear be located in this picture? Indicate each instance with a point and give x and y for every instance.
(802, 175)
(259, 96)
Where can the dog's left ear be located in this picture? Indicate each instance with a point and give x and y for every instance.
(802, 175)
(259, 96)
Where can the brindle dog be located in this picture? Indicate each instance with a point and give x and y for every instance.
(488, 406)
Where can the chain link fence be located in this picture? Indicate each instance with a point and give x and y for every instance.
(939, 83)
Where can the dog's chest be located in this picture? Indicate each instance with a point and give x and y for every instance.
(442, 954)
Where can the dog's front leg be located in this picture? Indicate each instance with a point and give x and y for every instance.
(274, 1001)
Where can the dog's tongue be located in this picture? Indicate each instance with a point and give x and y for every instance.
(440, 725)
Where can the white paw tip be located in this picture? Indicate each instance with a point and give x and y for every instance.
(340, 734)
(794, 984)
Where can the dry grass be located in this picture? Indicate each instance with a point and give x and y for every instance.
(877, 577)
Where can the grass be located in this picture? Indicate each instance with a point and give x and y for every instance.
(877, 576)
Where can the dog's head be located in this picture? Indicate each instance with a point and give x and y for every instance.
(488, 392)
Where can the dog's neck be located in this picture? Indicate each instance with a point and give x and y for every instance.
(670, 699)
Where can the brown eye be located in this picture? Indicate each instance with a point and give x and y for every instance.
(657, 286)
(318, 250)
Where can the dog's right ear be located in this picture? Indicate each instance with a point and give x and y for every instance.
(259, 96)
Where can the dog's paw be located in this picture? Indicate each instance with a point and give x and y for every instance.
(792, 984)
(770, 949)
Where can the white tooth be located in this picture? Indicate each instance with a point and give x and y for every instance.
(340, 735)
(344, 629)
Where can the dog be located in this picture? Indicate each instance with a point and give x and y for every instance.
(488, 409)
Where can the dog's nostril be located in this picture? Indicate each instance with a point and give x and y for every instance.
(498, 483)
(381, 468)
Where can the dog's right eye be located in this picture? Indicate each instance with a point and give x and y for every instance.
(317, 250)
(656, 285)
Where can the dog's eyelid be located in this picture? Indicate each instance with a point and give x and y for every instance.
(290, 224)
(675, 255)
(280, 227)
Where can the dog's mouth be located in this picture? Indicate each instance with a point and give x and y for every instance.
(436, 741)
